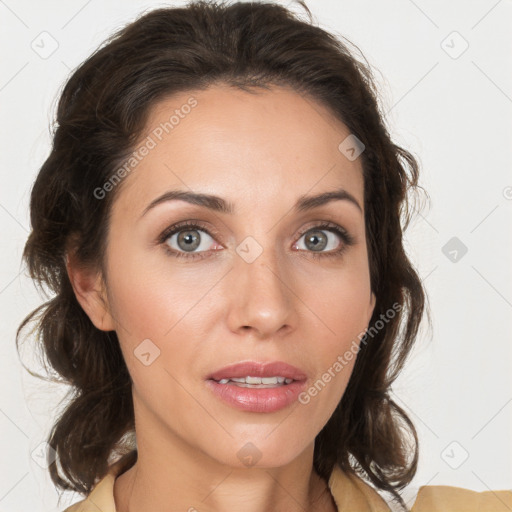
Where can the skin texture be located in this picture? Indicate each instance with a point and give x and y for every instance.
(260, 150)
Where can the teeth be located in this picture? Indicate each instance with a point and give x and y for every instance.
(257, 380)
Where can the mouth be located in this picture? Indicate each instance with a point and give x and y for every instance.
(255, 374)
(256, 382)
(258, 387)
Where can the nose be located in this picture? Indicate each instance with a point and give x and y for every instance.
(261, 297)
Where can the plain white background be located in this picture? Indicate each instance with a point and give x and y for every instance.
(444, 72)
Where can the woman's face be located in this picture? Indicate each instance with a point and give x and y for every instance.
(261, 283)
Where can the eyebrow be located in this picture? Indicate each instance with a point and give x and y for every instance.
(218, 204)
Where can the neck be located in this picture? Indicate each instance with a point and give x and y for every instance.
(171, 480)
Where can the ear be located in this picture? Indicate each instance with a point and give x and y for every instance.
(90, 292)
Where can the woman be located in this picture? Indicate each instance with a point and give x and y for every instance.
(220, 220)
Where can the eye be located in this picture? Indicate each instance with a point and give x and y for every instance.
(317, 239)
(187, 240)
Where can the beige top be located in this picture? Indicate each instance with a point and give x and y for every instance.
(350, 493)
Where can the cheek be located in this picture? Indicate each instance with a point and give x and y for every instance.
(341, 302)
(156, 312)
(323, 394)
(341, 305)
(149, 301)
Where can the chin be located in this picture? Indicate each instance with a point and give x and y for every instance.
(262, 450)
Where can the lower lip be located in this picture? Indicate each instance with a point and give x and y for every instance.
(257, 399)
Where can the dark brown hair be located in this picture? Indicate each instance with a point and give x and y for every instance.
(102, 112)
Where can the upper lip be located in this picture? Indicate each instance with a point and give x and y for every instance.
(257, 369)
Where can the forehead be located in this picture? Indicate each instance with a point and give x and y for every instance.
(272, 143)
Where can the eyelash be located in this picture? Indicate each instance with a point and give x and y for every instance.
(347, 239)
